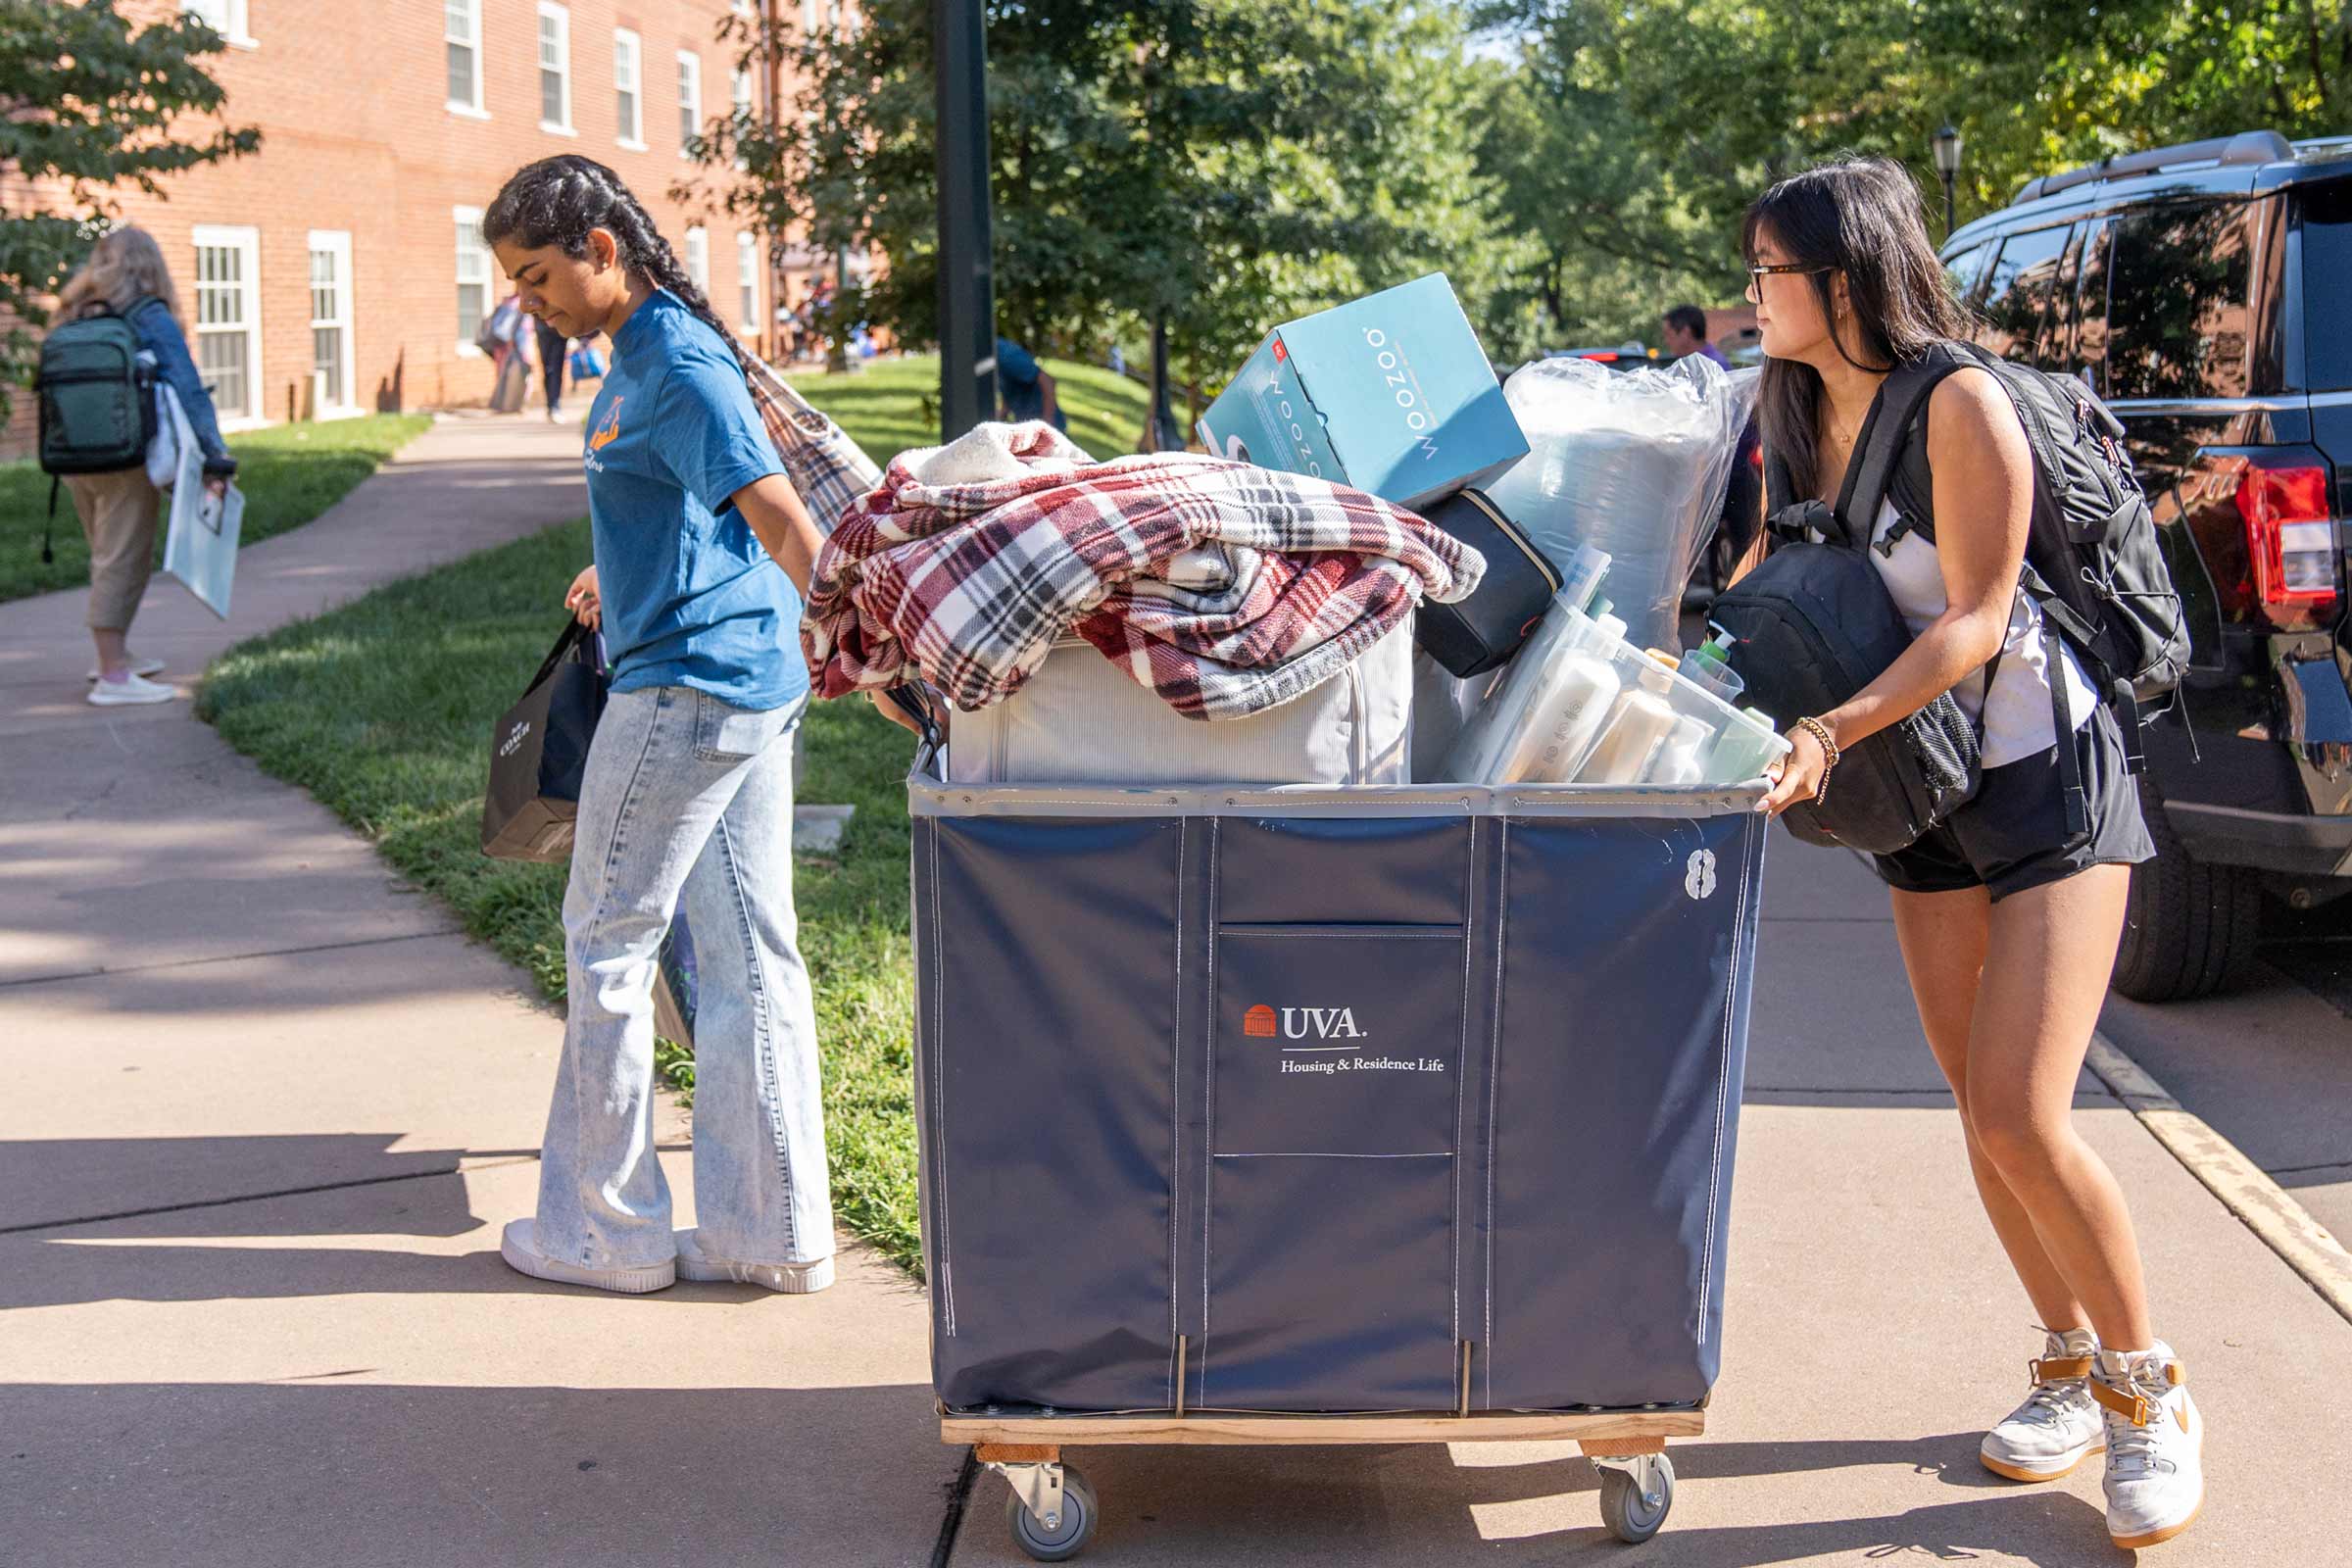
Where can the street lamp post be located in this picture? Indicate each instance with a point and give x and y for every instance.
(967, 330)
(1947, 145)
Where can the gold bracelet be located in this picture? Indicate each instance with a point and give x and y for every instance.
(1828, 754)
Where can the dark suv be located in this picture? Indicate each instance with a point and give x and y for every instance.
(2205, 292)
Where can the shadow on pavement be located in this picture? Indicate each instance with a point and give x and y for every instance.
(1417, 1504)
(229, 1475)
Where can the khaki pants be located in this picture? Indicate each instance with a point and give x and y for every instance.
(117, 516)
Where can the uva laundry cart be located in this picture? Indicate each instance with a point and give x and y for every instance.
(1306, 1115)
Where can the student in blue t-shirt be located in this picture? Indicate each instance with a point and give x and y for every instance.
(703, 550)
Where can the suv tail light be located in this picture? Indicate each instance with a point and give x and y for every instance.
(2290, 538)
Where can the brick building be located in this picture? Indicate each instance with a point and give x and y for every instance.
(340, 270)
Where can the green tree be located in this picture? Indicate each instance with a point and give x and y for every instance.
(86, 105)
(1641, 128)
(1219, 164)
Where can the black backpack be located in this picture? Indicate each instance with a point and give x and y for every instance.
(97, 400)
(2092, 560)
(1810, 627)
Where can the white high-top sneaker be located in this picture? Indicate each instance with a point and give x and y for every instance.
(2155, 1446)
(2058, 1427)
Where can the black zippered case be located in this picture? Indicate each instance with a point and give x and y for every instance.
(1474, 635)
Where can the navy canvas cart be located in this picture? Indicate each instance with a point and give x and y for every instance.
(1327, 1116)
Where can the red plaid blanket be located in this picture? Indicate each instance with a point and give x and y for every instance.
(1225, 588)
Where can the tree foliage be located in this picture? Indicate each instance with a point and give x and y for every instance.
(87, 106)
(1642, 127)
(1218, 164)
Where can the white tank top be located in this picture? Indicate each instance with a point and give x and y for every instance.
(2017, 718)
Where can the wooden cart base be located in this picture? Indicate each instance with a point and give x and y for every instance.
(1053, 1512)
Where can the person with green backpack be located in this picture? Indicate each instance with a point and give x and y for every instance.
(117, 334)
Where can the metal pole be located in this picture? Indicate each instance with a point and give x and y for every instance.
(771, 347)
(1164, 437)
(1949, 180)
(967, 321)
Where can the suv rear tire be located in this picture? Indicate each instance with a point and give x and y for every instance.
(2189, 929)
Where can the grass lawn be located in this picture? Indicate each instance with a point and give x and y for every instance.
(883, 407)
(382, 710)
(289, 473)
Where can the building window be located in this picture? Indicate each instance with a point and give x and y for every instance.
(473, 276)
(747, 280)
(628, 81)
(555, 67)
(461, 38)
(739, 97)
(228, 319)
(697, 259)
(331, 322)
(690, 98)
(228, 18)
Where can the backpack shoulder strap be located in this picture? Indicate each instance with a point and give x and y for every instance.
(1885, 438)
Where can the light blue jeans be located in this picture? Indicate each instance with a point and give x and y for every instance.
(686, 798)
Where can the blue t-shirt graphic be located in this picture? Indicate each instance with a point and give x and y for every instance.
(691, 597)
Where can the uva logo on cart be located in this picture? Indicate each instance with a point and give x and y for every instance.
(1299, 1023)
(515, 739)
(1700, 880)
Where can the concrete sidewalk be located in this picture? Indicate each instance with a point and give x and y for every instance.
(267, 1111)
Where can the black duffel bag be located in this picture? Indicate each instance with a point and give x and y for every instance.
(539, 751)
(1813, 625)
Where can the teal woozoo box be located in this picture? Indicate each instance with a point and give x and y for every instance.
(1389, 394)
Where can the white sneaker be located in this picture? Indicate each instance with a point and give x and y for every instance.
(2155, 1447)
(793, 1279)
(129, 689)
(139, 667)
(2059, 1426)
(519, 1246)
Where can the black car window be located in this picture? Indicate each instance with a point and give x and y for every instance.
(2326, 211)
(2176, 309)
(2091, 307)
(2017, 291)
(2054, 348)
(1961, 271)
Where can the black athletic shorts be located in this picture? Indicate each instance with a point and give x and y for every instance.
(2011, 836)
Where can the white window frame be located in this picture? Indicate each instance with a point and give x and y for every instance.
(247, 241)
(698, 258)
(739, 101)
(746, 279)
(232, 18)
(336, 242)
(461, 219)
(478, 109)
(561, 15)
(626, 45)
(690, 98)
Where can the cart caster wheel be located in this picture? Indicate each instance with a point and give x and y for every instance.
(1070, 1538)
(1635, 1505)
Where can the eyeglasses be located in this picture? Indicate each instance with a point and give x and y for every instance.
(1757, 274)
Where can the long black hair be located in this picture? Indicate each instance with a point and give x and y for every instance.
(558, 200)
(1860, 217)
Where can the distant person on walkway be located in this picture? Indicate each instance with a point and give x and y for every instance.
(1685, 334)
(126, 274)
(703, 552)
(1025, 387)
(553, 349)
(2008, 917)
(510, 335)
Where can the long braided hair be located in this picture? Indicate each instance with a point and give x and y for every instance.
(557, 201)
